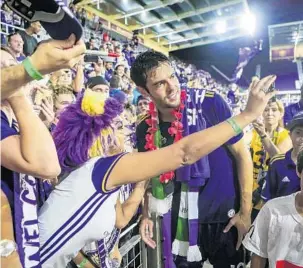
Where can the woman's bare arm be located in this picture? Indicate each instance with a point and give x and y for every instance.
(257, 261)
(125, 211)
(32, 152)
(7, 232)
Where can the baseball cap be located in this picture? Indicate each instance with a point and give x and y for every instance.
(55, 17)
(97, 80)
(296, 121)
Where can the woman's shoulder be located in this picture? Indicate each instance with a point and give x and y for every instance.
(283, 132)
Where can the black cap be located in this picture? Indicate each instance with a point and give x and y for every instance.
(55, 17)
(296, 121)
(94, 81)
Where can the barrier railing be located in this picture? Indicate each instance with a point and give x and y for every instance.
(5, 28)
(133, 251)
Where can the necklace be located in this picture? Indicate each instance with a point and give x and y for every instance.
(153, 137)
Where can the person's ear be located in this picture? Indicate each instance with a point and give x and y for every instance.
(298, 174)
(143, 91)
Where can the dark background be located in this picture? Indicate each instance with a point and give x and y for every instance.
(224, 55)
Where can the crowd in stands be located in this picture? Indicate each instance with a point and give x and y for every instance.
(77, 94)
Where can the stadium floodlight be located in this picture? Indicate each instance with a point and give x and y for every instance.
(221, 26)
(248, 23)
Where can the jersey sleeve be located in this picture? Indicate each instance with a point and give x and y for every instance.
(6, 129)
(257, 238)
(102, 170)
(218, 112)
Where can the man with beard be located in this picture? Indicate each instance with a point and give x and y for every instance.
(214, 195)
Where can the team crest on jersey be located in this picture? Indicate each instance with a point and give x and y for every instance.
(231, 213)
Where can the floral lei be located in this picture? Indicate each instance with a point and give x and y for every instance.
(153, 136)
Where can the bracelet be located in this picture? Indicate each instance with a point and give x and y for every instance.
(237, 129)
(31, 70)
(82, 264)
(263, 137)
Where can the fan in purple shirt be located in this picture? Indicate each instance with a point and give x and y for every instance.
(225, 199)
(109, 63)
(282, 178)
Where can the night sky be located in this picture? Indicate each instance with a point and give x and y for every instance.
(225, 55)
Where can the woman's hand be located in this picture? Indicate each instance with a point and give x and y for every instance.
(259, 127)
(47, 110)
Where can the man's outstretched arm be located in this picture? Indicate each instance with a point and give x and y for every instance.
(50, 56)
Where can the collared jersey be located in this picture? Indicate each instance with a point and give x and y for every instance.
(78, 211)
(219, 197)
(281, 178)
(261, 159)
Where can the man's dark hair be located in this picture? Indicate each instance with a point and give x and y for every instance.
(11, 35)
(300, 162)
(143, 64)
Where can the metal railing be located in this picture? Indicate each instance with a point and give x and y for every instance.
(5, 28)
(133, 251)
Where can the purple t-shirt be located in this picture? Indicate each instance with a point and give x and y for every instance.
(109, 74)
(281, 178)
(7, 183)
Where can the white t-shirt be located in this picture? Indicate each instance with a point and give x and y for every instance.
(277, 234)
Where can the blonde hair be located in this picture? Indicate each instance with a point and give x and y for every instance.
(281, 110)
(107, 143)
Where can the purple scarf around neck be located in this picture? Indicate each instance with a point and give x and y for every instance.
(196, 174)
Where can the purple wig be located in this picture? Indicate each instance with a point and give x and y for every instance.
(76, 131)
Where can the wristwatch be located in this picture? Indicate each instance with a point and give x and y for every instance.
(7, 247)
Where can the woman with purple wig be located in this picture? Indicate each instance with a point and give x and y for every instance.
(84, 207)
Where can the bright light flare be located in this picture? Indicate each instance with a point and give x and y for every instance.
(248, 23)
(221, 26)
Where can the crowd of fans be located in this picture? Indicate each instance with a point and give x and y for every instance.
(38, 127)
